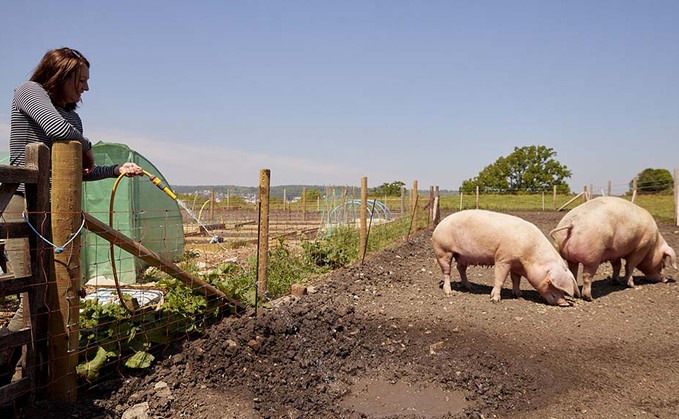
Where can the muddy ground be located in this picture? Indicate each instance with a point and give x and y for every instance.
(382, 341)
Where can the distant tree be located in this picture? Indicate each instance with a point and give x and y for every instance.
(527, 169)
(390, 189)
(654, 181)
(312, 193)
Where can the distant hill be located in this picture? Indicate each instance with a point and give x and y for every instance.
(291, 191)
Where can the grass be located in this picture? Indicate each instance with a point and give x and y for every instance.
(660, 206)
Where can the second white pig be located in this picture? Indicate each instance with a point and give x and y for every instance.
(513, 245)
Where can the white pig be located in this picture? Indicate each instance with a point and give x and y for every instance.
(513, 245)
(611, 229)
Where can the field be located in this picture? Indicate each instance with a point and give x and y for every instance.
(381, 340)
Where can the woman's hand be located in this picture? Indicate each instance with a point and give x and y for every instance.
(88, 161)
(129, 169)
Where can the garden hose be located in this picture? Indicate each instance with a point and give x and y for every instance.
(160, 185)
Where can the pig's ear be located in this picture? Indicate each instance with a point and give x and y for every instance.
(563, 280)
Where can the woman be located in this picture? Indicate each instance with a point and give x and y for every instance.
(43, 109)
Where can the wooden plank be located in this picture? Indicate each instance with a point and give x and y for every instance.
(152, 258)
(6, 192)
(14, 339)
(15, 230)
(9, 285)
(16, 174)
(573, 199)
(14, 390)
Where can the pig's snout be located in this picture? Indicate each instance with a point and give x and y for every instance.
(555, 297)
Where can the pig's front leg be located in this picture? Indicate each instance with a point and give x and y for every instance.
(516, 282)
(501, 271)
(446, 284)
(616, 264)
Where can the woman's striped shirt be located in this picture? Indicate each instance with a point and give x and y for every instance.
(35, 118)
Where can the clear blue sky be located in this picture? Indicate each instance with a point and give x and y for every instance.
(325, 92)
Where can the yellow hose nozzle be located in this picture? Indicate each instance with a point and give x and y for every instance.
(161, 185)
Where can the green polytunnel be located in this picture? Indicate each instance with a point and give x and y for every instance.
(141, 211)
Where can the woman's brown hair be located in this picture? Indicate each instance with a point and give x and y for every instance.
(56, 66)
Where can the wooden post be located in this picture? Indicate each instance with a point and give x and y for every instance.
(676, 196)
(403, 200)
(477, 196)
(584, 194)
(543, 200)
(431, 205)
(591, 192)
(461, 193)
(228, 198)
(263, 239)
(38, 157)
(413, 219)
(285, 198)
(413, 196)
(363, 217)
(212, 205)
(437, 207)
(63, 300)
(634, 189)
(303, 204)
(554, 193)
(609, 188)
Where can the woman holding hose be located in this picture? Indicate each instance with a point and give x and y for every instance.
(44, 109)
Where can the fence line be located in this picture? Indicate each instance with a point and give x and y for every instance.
(32, 287)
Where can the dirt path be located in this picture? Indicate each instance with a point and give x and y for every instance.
(384, 341)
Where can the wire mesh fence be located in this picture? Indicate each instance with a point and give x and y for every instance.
(145, 287)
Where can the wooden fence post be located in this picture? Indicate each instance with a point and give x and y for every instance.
(363, 217)
(431, 205)
(584, 194)
(554, 193)
(413, 195)
(303, 204)
(437, 207)
(543, 200)
(403, 200)
(609, 188)
(634, 189)
(212, 205)
(64, 300)
(477, 196)
(676, 196)
(38, 157)
(263, 239)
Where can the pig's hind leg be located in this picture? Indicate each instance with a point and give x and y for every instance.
(588, 272)
(464, 281)
(445, 260)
